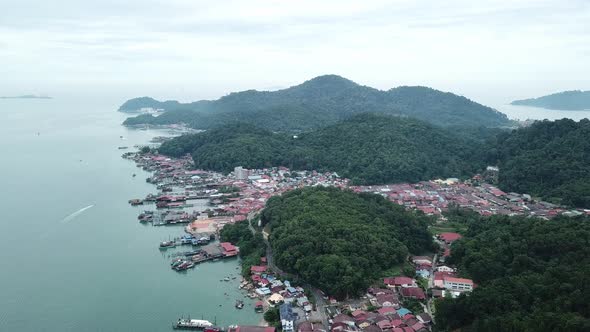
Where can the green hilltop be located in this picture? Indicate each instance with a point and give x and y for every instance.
(318, 102)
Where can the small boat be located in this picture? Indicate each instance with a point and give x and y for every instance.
(192, 324)
(123, 147)
(167, 244)
(226, 279)
(239, 304)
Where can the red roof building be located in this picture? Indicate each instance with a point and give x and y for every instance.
(229, 249)
(399, 281)
(413, 292)
(449, 237)
(258, 269)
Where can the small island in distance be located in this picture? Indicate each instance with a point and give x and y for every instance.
(25, 97)
(575, 100)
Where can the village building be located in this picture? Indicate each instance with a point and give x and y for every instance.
(458, 284)
(287, 317)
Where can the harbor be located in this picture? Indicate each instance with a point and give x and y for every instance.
(101, 267)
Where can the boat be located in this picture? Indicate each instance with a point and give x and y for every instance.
(123, 147)
(226, 279)
(192, 324)
(239, 304)
(167, 244)
(136, 201)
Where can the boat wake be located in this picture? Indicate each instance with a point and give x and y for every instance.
(75, 214)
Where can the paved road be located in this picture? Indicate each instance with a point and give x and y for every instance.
(320, 302)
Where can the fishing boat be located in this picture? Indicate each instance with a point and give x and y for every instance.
(192, 324)
(167, 244)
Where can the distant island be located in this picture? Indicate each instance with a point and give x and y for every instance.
(316, 103)
(568, 100)
(25, 97)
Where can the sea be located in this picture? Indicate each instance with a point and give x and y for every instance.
(73, 255)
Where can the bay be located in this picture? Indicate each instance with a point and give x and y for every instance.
(73, 255)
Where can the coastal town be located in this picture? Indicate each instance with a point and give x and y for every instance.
(397, 303)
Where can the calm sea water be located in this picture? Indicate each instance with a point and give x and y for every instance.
(534, 113)
(73, 256)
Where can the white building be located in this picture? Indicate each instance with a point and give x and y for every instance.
(458, 284)
(241, 173)
(444, 268)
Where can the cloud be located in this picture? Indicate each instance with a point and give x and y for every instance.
(208, 48)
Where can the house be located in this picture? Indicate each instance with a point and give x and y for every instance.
(422, 260)
(372, 328)
(276, 298)
(229, 249)
(342, 318)
(386, 310)
(458, 284)
(444, 268)
(418, 326)
(287, 317)
(384, 325)
(263, 291)
(308, 327)
(387, 300)
(448, 237)
(413, 293)
(399, 282)
(257, 269)
(423, 273)
(359, 315)
(403, 311)
(424, 318)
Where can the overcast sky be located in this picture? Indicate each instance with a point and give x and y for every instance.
(490, 51)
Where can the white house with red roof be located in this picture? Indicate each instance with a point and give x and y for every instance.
(457, 284)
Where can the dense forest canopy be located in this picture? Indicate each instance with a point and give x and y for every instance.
(567, 100)
(532, 275)
(340, 241)
(366, 148)
(550, 159)
(318, 102)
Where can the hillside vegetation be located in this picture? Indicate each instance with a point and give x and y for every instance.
(318, 102)
(567, 100)
(550, 159)
(367, 148)
(532, 275)
(340, 241)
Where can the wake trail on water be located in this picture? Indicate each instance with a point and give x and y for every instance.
(75, 214)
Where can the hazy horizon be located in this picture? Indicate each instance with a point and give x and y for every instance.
(492, 53)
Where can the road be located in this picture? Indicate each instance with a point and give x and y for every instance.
(429, 304)
(317, 294)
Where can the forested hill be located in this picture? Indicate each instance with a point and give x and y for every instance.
(550, 159)
(366, 148)
(568, 100)
(340, 241)
(136, 104)
(532, 275)
(319, 102)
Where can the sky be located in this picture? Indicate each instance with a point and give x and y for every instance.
(490, 51)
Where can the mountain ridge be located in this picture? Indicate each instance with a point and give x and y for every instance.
(326, 99)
